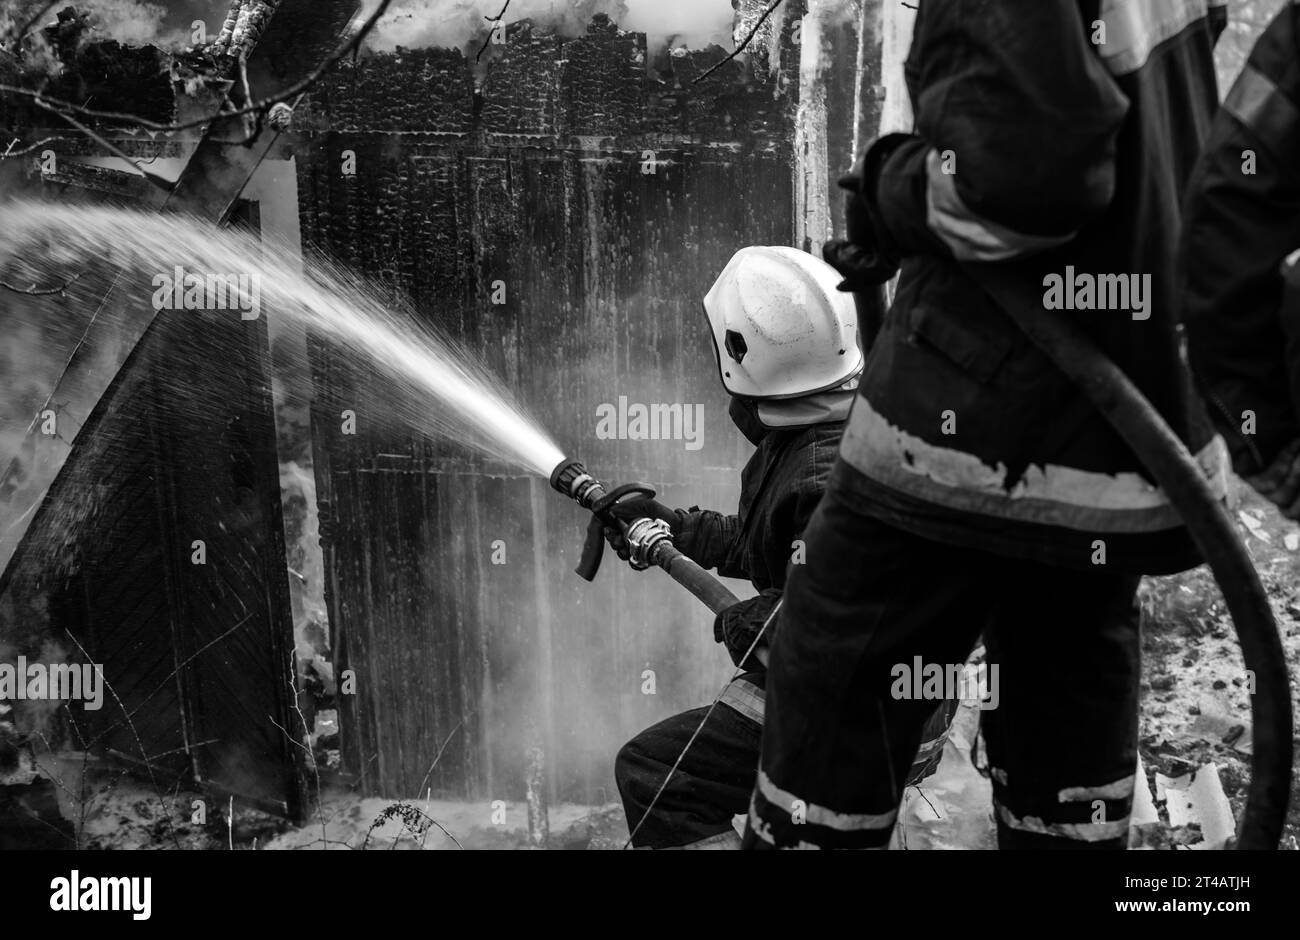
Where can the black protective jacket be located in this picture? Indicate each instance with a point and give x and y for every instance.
(780, 487)
(1054, 139)
(1242, 221)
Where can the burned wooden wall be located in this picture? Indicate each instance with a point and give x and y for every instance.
(195, 650)
(603, 192)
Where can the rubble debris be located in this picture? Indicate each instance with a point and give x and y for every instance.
(1197, 799)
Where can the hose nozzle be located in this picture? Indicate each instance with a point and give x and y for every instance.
(572, 479)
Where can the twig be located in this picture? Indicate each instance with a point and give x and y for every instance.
(79, 829)
(307, 845)
(919, 791)
(743, 43)
(31, 814)
(315, 767)
(35, 291)
(153, 779)
(127, 716)
(445, 832)
(437, 757)
(151, 177)
(285, 732)
(11, 154)
(405, 812)
(492, 31)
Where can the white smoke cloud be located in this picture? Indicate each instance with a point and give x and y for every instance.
(164, 23)
(130, 22)
(693, 23)
(417, 24)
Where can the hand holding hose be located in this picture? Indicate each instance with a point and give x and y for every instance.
(630, 510)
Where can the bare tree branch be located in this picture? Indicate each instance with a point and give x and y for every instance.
(743, 43)
(153, 779)
(153, 178)
(261, 106)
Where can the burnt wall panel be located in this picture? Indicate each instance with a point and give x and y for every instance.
(523, 93)
(603, 254)
(180, 449)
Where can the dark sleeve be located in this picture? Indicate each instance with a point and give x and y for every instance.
(738, 625)
(1017, 120)
(1241, 220)
(707, 538)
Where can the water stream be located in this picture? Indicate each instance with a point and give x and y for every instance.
(443, 390)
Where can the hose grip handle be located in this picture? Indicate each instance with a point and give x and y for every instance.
(593, 548)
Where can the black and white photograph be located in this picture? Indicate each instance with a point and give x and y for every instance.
(501, 426)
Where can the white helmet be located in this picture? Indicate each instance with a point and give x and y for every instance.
(780, 328)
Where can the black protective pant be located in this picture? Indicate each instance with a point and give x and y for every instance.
(711, 786)
(716, 776)
(1063, 648)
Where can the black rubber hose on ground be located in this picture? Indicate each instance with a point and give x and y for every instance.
(1179, 475)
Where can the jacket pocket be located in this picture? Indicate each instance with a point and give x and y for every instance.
(977, 349)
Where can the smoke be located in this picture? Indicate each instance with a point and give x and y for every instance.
(417, 24)
(695, 24)
(131, 22)
(168, 24)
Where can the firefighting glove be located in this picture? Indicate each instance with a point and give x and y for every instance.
(630, 510)
(740, 625)
(1280, 482)
(867, 258)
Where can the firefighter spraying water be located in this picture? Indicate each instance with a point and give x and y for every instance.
(787, 351)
